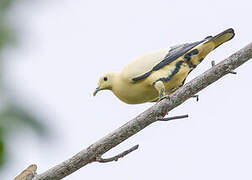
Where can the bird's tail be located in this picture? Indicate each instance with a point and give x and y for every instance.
(209, 44)
(222, 37)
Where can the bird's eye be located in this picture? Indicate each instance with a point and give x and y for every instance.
(105, 78)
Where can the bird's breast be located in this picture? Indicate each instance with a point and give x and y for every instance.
(135, 93)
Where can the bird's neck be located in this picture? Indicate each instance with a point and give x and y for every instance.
(119, 87)
(115, 78)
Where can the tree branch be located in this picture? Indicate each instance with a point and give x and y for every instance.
(28, 173)
(146, 118)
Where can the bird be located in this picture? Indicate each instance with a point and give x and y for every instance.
(151, 76)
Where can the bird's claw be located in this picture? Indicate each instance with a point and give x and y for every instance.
(163, 97)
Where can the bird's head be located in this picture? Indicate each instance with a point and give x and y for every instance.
(105, 82)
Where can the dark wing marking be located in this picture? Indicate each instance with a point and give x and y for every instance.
(175, 71)
(190, 71)
(142, 76)
(185, 78)
(174, 53)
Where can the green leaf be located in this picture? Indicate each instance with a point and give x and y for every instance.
(5, 4)
(13, 116)
(2, 154)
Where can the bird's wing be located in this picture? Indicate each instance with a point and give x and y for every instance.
(144, 63)
(173, 53)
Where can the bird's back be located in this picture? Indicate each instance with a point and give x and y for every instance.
(144, 63)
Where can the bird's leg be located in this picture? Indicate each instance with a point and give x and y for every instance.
(159, 86)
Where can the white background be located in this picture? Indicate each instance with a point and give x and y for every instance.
(65, 47)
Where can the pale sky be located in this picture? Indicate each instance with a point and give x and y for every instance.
(65, 47)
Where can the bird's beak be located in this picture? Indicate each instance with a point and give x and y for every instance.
(96, 90)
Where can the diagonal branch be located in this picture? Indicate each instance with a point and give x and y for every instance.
(146, 118)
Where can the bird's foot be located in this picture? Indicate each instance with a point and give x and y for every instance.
(161, 116)
(163, 97)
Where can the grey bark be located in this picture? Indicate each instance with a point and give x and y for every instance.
(148, 117)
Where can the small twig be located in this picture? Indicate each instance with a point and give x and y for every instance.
(196, 96)
(115, 158)
(174, 117)
(213, 63)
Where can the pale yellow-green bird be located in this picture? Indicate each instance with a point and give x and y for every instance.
(150, 76)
